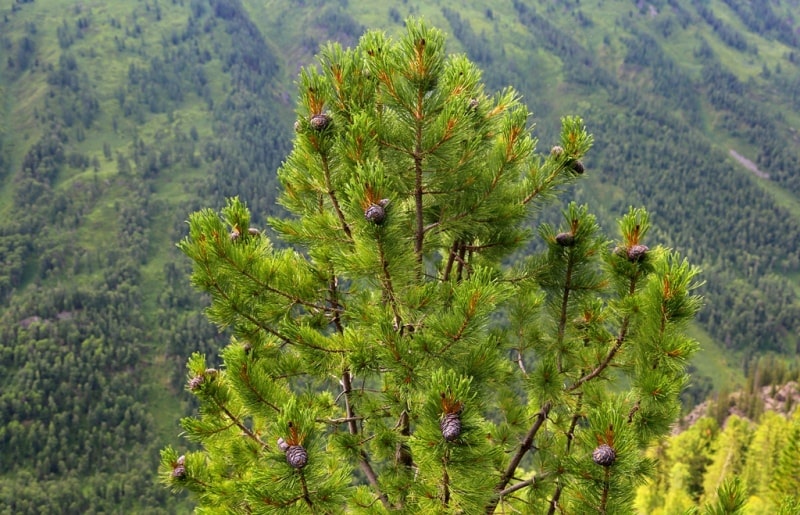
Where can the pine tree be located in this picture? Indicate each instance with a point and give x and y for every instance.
(763, 454)
(786, 475)
(727, 461)
(385, 357)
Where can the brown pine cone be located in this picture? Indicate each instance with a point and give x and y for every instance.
(450, 426)
(297, 456)
(604, 455)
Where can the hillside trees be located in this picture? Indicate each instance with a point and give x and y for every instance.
(694, 467)
(86, 348)
(389, 359)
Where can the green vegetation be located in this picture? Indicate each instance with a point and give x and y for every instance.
(119, 118)
(693, 465)
(387, 361)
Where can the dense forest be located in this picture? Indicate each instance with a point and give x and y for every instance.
(119, 120)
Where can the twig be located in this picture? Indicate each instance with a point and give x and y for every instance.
(236, 421)
(562, 321)
(420, 229)
(445, 479)
(524, 447)
(332, 195)
(519, 486)
(570, 437)
(363, 460)
(306, 495)
(623, 333)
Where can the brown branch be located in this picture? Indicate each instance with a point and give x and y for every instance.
(633, 411)
(306, 496)
(623, 333)
(267, 287)
(606, 488)
(550, 178)
(398, 148)
(519, 486)
(524, 447)
(337, 421)
(521, 363)
(332, 194)
(236, 421)
(562, 321)
(363, 461)
(462, 251)
(387, 283)
(334, 301)
(450, 260)
(420, 230)
(445, 479)
(246, 378)
(570, 437)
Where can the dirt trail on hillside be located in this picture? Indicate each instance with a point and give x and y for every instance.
(748, 164)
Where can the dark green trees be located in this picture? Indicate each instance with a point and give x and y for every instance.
(388, 360)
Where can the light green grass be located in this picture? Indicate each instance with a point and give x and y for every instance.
(722, 366)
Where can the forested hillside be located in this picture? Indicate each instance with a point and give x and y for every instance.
(120, 118)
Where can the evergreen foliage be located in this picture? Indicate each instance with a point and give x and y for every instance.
(388, 360)
(120, 117)
(748, 467)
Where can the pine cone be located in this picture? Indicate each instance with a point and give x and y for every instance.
(604, 455)
(320, 122)
(450, 426)
(375, 214)
(296, 456)
(565, 239)
(234, 235)
(179, 468)
(473, 104)
(556, 151)
(195, 382)
(637, 253)
(577, 167)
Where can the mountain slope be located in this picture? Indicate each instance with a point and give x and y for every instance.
(120, 119)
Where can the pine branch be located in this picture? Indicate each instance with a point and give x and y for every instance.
(221, 292)
(351, 420)
(420, 229)
(295, 299)
(306, 496)
(337, 421)
(333, 291)
(521, 363)
(462, 251)
(332, 195)
(347, 388)
(387, 284)
(450, 260)
(445, 480)
(524, 447)
(570, 437)
(623, 333)
(542, 187)
(250, 434)
(519, 486)
(562, 320)
(249, 384)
